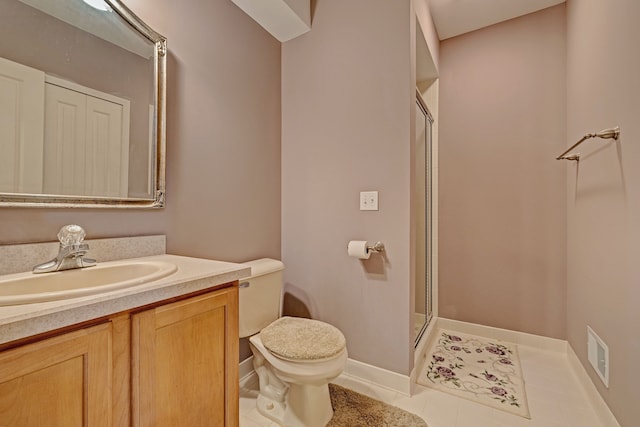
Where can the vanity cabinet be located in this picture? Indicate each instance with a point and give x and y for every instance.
(169, 363)
(185, 361)
(60, 381)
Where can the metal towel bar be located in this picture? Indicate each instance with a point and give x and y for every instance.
(613, 133)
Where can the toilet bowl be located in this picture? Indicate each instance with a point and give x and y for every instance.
(294, 358)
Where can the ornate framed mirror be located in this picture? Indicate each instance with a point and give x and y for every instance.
(82, 106)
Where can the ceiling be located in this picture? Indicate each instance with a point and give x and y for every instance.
(105, 24)
(455, 17)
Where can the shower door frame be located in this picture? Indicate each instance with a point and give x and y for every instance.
(428, 215)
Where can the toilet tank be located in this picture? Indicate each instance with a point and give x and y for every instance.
(260, 295)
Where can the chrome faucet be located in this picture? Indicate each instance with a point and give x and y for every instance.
(71, 253)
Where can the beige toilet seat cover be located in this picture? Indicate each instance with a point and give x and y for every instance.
(301, 339)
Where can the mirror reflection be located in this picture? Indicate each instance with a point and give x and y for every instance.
(79, 93)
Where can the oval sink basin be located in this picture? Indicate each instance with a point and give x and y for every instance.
(26, 288)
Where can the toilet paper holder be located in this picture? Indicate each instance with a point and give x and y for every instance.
(376, 248)
(362, 249)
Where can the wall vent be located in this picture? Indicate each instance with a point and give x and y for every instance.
(598, 354)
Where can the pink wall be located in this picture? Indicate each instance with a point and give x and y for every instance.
(429, 30)
(502, 198)
(223, 139)
(348, 98)
(603, 193)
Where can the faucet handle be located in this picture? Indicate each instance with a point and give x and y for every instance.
(71, 235)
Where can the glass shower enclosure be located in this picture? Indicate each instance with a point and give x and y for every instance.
(423, 310)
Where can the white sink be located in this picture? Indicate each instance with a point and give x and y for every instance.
(26, 288)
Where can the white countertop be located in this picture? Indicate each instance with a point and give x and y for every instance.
(193, 274)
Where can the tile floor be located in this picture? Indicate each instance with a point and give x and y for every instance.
(554, 395)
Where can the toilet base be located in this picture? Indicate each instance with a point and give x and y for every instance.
(294, 394)
(304, 406)
(294, 399)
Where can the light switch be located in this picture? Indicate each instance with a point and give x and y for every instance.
(368, 200)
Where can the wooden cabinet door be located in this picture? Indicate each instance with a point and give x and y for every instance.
(185, 362)
(63, 381)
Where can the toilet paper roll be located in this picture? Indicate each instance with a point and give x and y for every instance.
(359, 249)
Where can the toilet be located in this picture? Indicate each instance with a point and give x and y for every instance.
(295, 358)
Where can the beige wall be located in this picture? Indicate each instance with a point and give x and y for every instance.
(603, 193)
(223, 139)
(502, 200)
(423, 14)
(348, 100)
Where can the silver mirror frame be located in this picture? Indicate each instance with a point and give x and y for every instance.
(160, 80)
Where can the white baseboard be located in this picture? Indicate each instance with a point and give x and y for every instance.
(515, 337)
(597, 402)
(362, 371)
(379, 376)
(245, 371)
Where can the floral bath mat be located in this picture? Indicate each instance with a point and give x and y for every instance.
(485, 371)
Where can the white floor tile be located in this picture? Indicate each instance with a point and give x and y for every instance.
(415, 404)
(475, 414)
(248, 422)
(441, 409)
(255, 417)
(553, 393)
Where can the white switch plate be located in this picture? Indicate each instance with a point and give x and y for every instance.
(368, 200)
